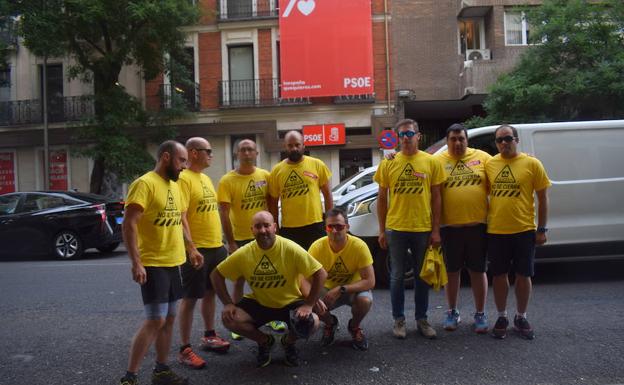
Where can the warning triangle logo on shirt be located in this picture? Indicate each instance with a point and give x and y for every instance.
(339, 267)
(505, 176)
(207, 193)
(461, 169)
(265, 267)
(252, 190)
(408, 173)
(293, 180)
(171, 206)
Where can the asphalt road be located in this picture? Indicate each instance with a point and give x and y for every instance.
(71, 323)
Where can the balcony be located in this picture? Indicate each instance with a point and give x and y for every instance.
(180, 96)
(60, 109)
(236, 10)
(254, 93)
(355, 99)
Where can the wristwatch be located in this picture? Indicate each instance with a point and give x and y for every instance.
(542, 229)
(343, 290)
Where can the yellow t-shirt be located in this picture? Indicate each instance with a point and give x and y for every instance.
(200, 199)
(298, 186)
(273, 274)
(161, 242)
(246, 194)
(512, 185)
(409, 180)
(344, 266)
(464, 193)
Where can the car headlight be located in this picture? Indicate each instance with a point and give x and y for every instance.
(357, 208)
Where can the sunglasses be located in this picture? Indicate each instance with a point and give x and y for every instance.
(336, 226)
(506, 139)
(409, 134)
(208, 150)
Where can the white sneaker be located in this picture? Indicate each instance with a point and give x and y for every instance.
(399, 329)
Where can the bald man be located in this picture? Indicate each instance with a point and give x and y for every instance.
(298, 182)
(271, 265)
(202, 225)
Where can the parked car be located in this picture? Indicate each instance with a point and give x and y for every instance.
(354, 182)
(583, 160)
(60, 223)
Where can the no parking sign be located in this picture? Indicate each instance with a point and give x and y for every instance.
(388, 139)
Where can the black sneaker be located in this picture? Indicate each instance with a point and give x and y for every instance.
(522, 326)
(129, 381)
(329, 332)
(168, 377)
(264, 352)
(291, 357)
(358, 339)
(500, 328)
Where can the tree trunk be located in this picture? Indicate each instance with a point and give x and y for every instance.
(97, 175)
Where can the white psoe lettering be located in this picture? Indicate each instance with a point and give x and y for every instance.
(356, 82)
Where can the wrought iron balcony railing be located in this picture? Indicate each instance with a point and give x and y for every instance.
(247, 9)
(254, 93)
(355, 99)
(183, 96)
(60, 109)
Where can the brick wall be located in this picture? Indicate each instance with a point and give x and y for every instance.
(209, 68)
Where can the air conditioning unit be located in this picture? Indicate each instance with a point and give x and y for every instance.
(477, 54)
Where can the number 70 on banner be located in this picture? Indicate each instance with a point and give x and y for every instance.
(305, 7)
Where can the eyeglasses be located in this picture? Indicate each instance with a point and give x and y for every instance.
(336, 226)
(208, 150)
(409, 134)
(506, 139)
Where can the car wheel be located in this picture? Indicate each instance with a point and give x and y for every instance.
(381, 264)
(108, 248)
(67, 245)
(408, 277)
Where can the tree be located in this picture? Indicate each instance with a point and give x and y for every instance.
(573, 70)
(103, 36)
(5, 23)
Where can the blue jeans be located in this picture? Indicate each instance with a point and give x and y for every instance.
(399, 242)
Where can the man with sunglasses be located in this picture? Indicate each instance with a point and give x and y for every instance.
(350, 278)
(203, 226)
(514, 179)
(408, 209)
(464, 216)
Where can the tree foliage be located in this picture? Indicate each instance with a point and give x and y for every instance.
(103, 36)
(572, 71)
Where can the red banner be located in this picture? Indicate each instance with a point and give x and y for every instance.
(58, 170)
(324, 134)
(326, 48)
(7, 172)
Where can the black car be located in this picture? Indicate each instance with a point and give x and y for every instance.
(60, 223)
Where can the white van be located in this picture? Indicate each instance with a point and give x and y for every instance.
(585, 162)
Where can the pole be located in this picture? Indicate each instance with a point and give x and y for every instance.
(46, 145)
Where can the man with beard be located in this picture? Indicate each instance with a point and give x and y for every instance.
(153, 235)
(202, 225)
(350, 278)
(297, 182)
(272, 266)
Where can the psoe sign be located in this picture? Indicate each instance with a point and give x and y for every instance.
(324, 134)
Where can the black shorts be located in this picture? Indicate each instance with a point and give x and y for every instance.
(163, 285)
(464, 247)
(507, 250)
(304, 236)
(196, 282)
(262, 314)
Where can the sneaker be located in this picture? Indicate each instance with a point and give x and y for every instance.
(291, 356)
(500, 327)
(264, 352)
(129, 381)
(329, 331)
(358, 339)
(425, 329)
(452, 320)
(215, 344)
(236, 337)
(480, 323)
(277, 326)
(522, 326)
(168, 377)
(399, 328)
(188, 358)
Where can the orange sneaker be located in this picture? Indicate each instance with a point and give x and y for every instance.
(189, 358)
(215, 344)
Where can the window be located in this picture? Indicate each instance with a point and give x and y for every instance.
(470, 36)
(5, 84)
(517, 28)
(8, 204)
(241, 85)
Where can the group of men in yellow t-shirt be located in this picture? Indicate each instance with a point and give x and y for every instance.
(476, 207)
